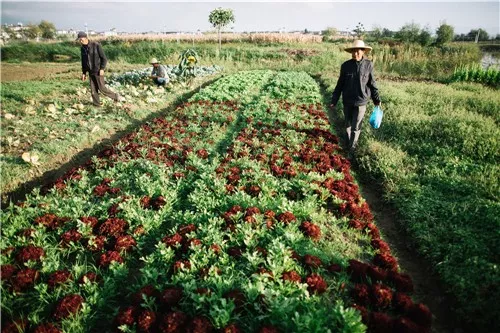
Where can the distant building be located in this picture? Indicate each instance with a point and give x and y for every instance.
(66, 32)
(16, 30)
(111, 32)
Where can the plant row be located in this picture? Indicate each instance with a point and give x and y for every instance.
(476, 73)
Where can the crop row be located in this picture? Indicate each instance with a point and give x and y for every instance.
(236, 215)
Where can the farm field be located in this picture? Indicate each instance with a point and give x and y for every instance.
(25, 111)
(211, 223)
(227, 162)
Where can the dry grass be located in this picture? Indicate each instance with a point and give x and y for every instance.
(226, 37)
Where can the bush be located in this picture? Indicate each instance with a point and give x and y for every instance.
(475, 73)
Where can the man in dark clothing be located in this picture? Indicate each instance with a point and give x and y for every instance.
(94, 62)
(357, 84)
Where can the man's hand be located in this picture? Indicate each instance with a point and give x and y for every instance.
(84, 77)
(331, 106)
(101, 72)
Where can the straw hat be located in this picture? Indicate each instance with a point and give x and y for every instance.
(358, 44)
(154, 61)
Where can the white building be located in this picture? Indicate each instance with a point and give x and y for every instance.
(111, 32)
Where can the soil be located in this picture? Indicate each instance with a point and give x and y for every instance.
(26, 71)
(29, 72)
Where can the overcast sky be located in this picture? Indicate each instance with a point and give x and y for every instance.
(137, 16)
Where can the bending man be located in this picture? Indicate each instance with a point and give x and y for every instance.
(158, 74)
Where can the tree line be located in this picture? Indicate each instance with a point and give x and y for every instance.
(413, 33)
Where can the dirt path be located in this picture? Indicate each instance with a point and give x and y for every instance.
(427, 287)
(33, 71)
(26, 71)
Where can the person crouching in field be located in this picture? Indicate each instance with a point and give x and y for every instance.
(357, 84)
(158, 74)
(94, 62)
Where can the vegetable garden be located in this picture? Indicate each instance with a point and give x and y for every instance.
(236, 212)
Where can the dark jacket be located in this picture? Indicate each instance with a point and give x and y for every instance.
(356, 84)
(95, 56)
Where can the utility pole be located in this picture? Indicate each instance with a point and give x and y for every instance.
(477, 36)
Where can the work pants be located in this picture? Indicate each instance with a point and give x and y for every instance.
(97, 85)
(353, 116)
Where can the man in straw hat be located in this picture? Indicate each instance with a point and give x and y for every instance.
(94, 62)
(357, 84)
(158, 74)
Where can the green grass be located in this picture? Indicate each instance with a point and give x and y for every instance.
(35, 52)
(16, 94)
(435, 63)
(436, 154)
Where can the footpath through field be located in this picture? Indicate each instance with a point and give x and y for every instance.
(234, 212)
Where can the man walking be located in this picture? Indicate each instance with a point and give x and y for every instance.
(94, 62)
(357, 84)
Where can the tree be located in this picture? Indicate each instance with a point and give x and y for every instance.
(10, 32)
(47, 29)
(483, 35)
(32, 31)
(425, 37)
(220, 18)
(409, 33)
(376, 32)
(329, 34)
(461, 37)
(386, 33)
(444, 34)
(359, 30)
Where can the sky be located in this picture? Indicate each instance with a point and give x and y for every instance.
(142, 16)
